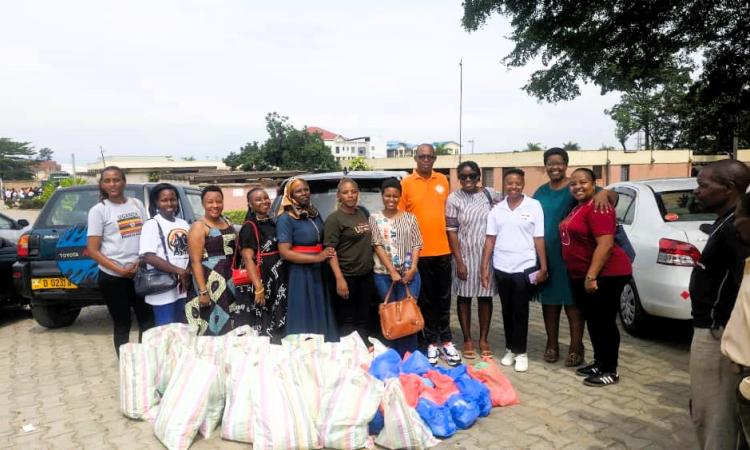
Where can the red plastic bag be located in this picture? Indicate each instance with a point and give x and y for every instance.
(501, 390)
(412, 386)
(444, 388)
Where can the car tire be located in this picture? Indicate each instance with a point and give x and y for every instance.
(54, 316)
(632, 315)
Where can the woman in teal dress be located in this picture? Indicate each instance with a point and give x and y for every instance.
(299, 231)
(555, 293)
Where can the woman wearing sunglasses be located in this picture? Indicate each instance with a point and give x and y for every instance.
(466, 222)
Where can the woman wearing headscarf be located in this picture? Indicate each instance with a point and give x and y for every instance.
(263, 303)
(299, 230)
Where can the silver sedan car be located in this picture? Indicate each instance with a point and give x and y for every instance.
(11, 229)
(663, 223)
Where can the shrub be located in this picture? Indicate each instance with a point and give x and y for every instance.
(236, 216)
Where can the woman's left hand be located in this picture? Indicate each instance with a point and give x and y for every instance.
(260, 295)
(409, 275)
(590, 286)
(541, 276)
(601, 202)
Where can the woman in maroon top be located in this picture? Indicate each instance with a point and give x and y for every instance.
(599, 270)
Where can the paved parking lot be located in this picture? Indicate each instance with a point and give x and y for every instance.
(65, 384)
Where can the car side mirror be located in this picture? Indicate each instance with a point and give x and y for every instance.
(22, 223)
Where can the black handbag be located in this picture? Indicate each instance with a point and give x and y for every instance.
(154, 281)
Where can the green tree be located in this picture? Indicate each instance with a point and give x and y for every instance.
(45, 154)
(441, 149)
(233, 160)
(286, 148)
(188, 158)
(632, 47)
(358, 163)
(571, 146)
(15, 159)
(534, 147)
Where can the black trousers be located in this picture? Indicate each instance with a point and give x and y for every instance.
(600, 312)
(514, 290)
(119, 293)
(435, 297)
(354, 313)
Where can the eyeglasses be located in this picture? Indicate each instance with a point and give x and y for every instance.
(468, 176)
(426, 157)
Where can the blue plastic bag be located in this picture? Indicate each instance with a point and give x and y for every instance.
(475, 392)
(376, 424)
(416, 363)
(464, 413)
(386, 365)
(438, 418)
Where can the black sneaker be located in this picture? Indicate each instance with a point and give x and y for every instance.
(590, 370)
(602, 379)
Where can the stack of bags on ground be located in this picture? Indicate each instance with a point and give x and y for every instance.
(302, 394)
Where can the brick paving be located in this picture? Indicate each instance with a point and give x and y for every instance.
(65, 383)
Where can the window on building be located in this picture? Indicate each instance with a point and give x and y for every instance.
(362, 151)
(487, 177)
(625, 172)
(597, 172)
(337, 150)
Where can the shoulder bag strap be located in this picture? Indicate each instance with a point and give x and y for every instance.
(163, 243)
(237, 245)
(487, 194)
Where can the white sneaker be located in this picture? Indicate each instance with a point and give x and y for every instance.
(507, 358)
(522, 363)
(450, 354)
(432, 354)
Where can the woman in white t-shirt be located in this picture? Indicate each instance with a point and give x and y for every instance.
(515, 242)
(164, 247)
(114, 230)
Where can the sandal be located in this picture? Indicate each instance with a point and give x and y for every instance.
(574, 359)
(487, 353)
(469, 353)
(551, 355)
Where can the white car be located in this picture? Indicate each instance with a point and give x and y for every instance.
(662, 221)
(11, 229)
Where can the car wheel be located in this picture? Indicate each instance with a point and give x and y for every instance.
(634, 319)
(54, 316)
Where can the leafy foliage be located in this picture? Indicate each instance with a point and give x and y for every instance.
(358, 163)
(441, 149)
(286, 148)
(571, 146)
(45, 154)
(534, 147)
(636, 48)
(15, 159)
(236, 215)
(49, 188)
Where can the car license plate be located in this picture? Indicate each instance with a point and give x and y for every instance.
(51, 283)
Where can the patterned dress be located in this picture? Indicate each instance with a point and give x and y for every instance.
(466, 213)
(215, 318)
(556, 205)
(269, 319)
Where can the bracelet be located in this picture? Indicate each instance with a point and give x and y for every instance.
(590, 278)
(203, 292)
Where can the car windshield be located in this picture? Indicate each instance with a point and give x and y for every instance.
(680, 206)
(71, 207)
(323, 195)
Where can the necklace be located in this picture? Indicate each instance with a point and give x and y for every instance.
(565, 224)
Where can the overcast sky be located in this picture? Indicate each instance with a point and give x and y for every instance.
(197, 77)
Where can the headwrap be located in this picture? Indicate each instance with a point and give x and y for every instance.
(288, 204)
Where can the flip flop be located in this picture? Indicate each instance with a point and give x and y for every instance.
(489, 353)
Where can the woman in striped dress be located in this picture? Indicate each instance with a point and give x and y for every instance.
(466, 222)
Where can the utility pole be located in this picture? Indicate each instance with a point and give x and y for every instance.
(471, 141)
(460, 107)
(104, 163)
(73, 157)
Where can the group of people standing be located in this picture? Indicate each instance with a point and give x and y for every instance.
(425, 242)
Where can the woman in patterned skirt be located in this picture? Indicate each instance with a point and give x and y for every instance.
(211, 244)
(466, 222)
(263, 302)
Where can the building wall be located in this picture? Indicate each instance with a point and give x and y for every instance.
(235, 195)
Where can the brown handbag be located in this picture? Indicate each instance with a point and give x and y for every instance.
(400, 318)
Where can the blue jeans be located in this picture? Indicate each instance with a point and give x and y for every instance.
(382, 283)
(170, 313)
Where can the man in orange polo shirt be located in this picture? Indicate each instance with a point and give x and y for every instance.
(424, 193)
